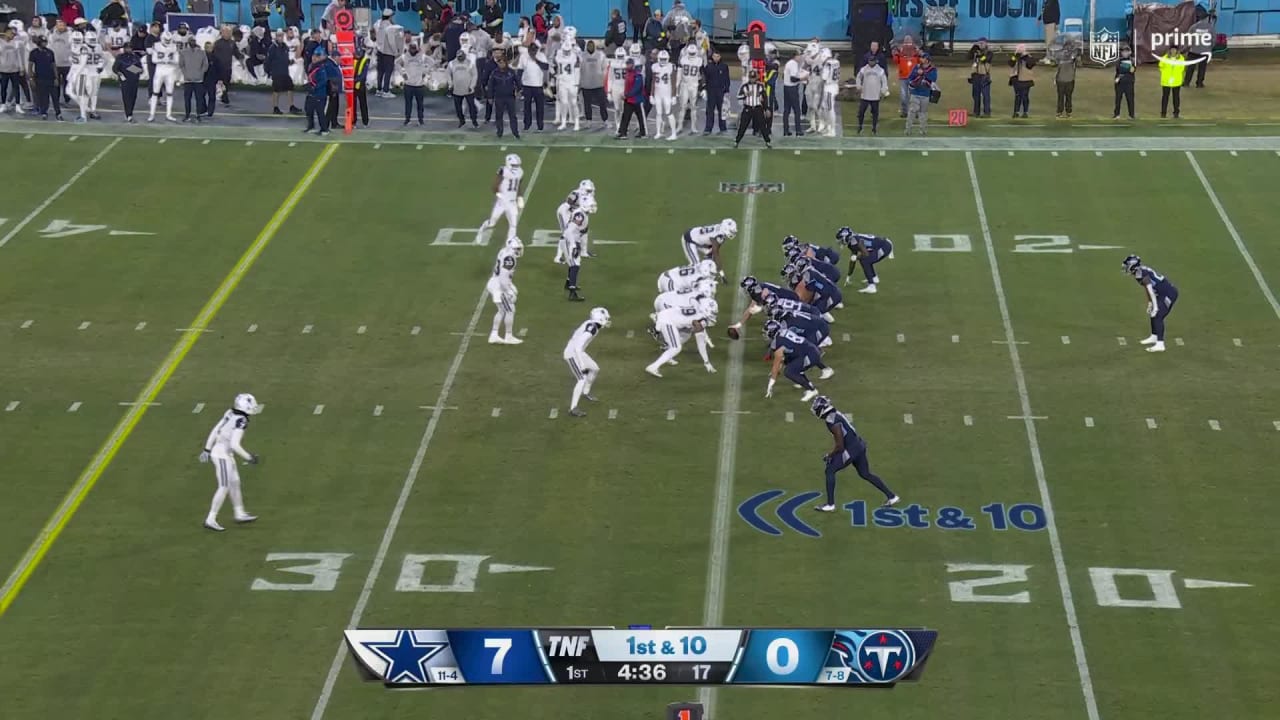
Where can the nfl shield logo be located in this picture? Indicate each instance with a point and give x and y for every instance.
(777, 8)
(1105, 46)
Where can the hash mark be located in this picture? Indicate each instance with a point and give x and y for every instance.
(631, 334)
(1277, 422)
(1122, 341)
(1151, 424)
(13, 405)
(306, 329)
(671, 415)
(1214, 425)
(461, 148)
(206, 142)
(1236, 342)
(902, 338)
(713, 151)
(1178, 342)
(907, 419)
(377, 146)
(628, 151)
(845, 337)
(1054, 153)
(1066, 339)
(496, 412)
(672, 151)
(252, 328)
(1235, 154)
(503, 148)
(790, 416)
(925, 153)
(28, 136)
(613, 413)
(1088, 422)
(74, 406)
(797, 152)
(140, 326)
(586, 149)
(555, 412)
(968, 420)
(523, 331)
(377, 411)
(27, 324)
(84, 325)
(361, 330)
(164, 140)
(248, 143)
(1097, 153)
(839, 152)
(319, 409)
(197, 409)
(1142, 153)
(881, 153)
(292, 144)
(73, 138)
(955, 338)
(1010, 153)
(416, 329)
(419, 147)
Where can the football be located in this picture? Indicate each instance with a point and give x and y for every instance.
(733, 333)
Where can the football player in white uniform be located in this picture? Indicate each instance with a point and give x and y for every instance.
(568, 70)
(617, 82)
(502, 290)
(687, 87)
(164, 55)
(584, 369)
(87, 63)
(221, 448)
(663, 98)
(812, 63)
(565, 211)
(675, 325)
(690, 298)
(507, 199)
(685, 277)
(830, 74)
(704, 241)
(575, 241)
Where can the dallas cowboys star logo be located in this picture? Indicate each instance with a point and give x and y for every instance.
(406, 657)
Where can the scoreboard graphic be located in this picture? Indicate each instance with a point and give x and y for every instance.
(406, 657)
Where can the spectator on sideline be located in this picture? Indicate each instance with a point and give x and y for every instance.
(415, 67)
(1201, 30)
(1022, 78)
(632, 99)
(485, 65)
(260, 11)
(655, 36)
(923, 77)
(876, 55)
(540, 23)
(1171, 74)
(192, 64)
(60, 44)
(336, 86)
(211, 75)
(793, 73)
(258, 46)
(638, 10)
(462, 84)
(44, 78)
(717, 74)
(1050, 15)
(11, 62)
(292, 11)
(161, 10)
(278, 71)
(533, 75)
(591, 83)
(503, 87)
(128, 70)
(873, 86)
(362, 84)
(492, 17)
(227, 52)
(1065, 79)
(317, 93)
(615, 36)
(389, 41)
(71, 10)
(906, 56)
(1126, 75)
(980, 78)
(452, 36)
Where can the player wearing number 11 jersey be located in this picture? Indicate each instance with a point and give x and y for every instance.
(507, 200)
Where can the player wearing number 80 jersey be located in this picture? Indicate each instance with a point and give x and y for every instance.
(691, 64)
(507, 200)
(584, 369)
(502, 290)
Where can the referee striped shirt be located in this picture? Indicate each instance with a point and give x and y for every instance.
(752, 94)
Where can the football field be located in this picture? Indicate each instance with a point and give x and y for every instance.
(1090, 527)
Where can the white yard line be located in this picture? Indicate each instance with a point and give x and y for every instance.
(1033, 443)
(411, 477)
(1231, 229)
(53, 197)
(718, 555)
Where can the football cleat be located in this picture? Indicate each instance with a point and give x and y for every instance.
(826, 373)
(213, 525)
(653, 371)
(512, 340)
(1149, 340)
(891, 501)
(870, 289)
(825, 508)
(246, 518)
(575, 412)
(1157, 347)
(808, 395)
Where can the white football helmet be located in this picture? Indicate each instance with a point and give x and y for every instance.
(166, 37)
(77, 39)
(247, 404)
(705, 286)
(515, 246)
(824, 55)
(620, 54)
(91, 38)
(664, 56)
(586, 187)
(637, 50)
(513, 160)
(729, 227)
(690, 50)
(16, 25)
(707, 268)
(710, 308)
(600, 316)
(587, 204)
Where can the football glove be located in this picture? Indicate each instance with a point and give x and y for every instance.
(768, 392)
(710, 368)
(520, 202)
(254, 459)
(204, 456)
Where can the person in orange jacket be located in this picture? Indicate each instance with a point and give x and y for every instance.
(906, 56)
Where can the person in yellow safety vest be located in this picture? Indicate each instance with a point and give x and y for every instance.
(1171, 73)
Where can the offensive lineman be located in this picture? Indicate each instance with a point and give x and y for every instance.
(687, 88)
(164, 56)
(503, 292)
(866, 250)
(507, 199)
(568, 70)
(675, 325)
(221, 447)
(704, 241)
(86, 67)
(792, 354)
(584, 369)
(663, 98)
(850, 449)
(575, 241)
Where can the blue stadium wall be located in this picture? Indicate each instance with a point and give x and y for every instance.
(999, 20)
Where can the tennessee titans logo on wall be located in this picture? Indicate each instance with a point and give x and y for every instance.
(880, 656)
(777, 8)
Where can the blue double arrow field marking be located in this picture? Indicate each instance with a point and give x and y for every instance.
(786, 512)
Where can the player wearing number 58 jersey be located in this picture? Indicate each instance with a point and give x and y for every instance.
(1161, 295)
(584, 369)
(850, 449)
(507, 200)
(502, 291)
(221, 448)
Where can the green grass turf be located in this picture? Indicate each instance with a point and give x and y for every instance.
(145, 615)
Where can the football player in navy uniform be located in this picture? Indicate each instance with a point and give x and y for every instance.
(759, 294)
(1161, 295)
(825, 254)
(813, 288)
(850, 449)
(867, 250)
(792, 355)
(804, 319)
(804, 262)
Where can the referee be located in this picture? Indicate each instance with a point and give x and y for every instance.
(754, 97)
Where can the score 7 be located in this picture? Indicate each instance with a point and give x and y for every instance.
(503, 646)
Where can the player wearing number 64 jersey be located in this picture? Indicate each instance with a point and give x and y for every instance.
(221, 448)
(584, 369)
(507, 200)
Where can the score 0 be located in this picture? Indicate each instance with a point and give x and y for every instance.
(684, 711)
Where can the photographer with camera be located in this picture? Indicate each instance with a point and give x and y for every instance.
(1021, 78)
